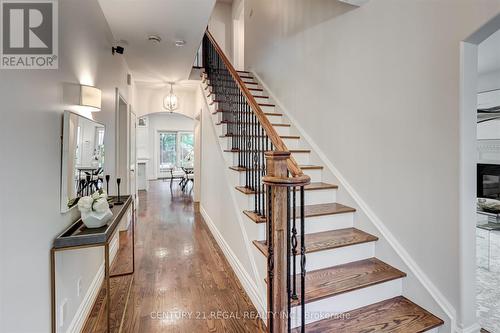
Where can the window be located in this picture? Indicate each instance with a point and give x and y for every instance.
(168, 150)
(176, 150)
(186, 149)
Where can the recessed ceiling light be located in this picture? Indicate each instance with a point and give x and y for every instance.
(180, 43)
(155, 39)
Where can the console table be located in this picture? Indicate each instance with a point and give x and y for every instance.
(77, 236)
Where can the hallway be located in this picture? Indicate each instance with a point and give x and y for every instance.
(182, 281)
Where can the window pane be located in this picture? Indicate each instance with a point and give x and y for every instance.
(187, 150)
(168, 150)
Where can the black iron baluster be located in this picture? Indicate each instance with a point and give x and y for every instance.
(270, 261)
(294, 242)
(302, 263)
(288, 249)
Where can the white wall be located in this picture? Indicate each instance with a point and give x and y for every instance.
(220, 26)
(148, 138)
(377, 88)
(30, 131)
(218, 203)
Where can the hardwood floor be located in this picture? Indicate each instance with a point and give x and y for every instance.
(182, 282)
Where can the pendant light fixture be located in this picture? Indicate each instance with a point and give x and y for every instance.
(170, 102)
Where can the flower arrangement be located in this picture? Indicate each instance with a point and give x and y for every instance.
(95, 209)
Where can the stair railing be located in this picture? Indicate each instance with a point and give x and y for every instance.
(274, 177)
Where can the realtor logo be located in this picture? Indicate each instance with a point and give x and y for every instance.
(29, 34)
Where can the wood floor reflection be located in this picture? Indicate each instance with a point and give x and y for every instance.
(182, 281)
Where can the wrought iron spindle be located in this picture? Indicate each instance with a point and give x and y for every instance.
(302, 263)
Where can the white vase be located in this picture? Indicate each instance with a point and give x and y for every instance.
(93, 219)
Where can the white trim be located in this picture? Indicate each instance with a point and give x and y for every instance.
(245, 278)
(87, 303)
(384, 231)
(357, 3)
(475, 328)
(85, 307)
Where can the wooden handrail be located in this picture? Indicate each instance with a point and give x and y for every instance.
(278, 143)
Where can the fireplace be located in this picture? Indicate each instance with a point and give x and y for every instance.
(488, 181)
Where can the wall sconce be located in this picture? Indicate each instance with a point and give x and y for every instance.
(82, 98)
(90, 97)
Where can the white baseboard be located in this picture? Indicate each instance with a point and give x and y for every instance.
(433, 291)
(244, 277)
(85, 307)
(475, 328)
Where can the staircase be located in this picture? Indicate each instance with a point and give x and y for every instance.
(335, 283)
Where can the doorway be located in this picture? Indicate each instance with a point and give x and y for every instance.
(477, 179)
(126, 160)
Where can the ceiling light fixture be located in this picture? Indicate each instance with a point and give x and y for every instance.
(170, 102)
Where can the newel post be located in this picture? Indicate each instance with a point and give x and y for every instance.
(277, 297)
(280, 206)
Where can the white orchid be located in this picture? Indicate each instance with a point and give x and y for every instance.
(97, 202)
(101, 205)
(85, 204)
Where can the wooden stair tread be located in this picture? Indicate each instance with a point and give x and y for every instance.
(310, 187)
(236, 122)
(260, 136)
(396, 315)
(336, 280)
(303, 167)
(260, 104)
(311, 211)
(266, 113)
(296, 151)
(327, 240)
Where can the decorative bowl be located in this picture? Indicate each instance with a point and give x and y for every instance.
(93, 219)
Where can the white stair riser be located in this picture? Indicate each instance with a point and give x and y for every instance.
(271, 109)
(281, 130)
(315, 174)
(314, 197)
(262, 98)
(343, 303)
(317, 224)
(252, 85)
(333, 257)
(338, 256)
(328, 222)
(301, 158)
(290, 143)
(257, 92)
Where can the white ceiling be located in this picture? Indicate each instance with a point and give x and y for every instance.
(489, 54)
(134, 20)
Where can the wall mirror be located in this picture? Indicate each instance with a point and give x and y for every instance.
(82, 158)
